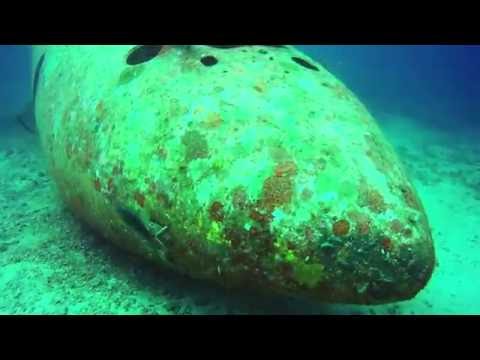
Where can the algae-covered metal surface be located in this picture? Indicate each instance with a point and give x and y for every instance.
(251, 166)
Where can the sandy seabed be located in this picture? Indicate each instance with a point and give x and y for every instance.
(51, 264)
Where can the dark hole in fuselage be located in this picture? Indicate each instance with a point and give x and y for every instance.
(209, 60)
(143, 53)
(305, 63)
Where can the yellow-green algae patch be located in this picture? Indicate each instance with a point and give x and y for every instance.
(309, 274)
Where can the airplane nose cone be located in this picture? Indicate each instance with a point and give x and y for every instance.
(399, 276)
(244, 165)
(377, 272)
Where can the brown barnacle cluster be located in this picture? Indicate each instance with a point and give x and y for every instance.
(372, 199)
(341, 228)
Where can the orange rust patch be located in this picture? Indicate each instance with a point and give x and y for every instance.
(216, 211)
(139, 198)
(341, 228)
(374, 201)
(277, 191)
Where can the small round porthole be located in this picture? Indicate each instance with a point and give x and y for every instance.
(209, 60)
(143, 53)
(305, 63)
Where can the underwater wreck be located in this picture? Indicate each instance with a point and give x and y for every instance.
(249, 166)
